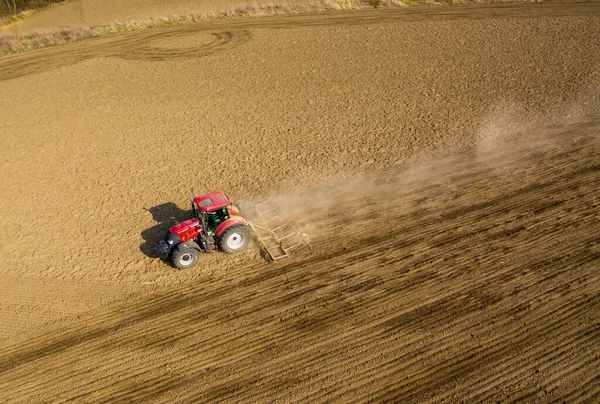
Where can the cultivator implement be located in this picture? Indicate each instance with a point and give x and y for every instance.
(276, 235)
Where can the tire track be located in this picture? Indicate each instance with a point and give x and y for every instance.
(137, 45)
(223, 41)
(466, 362)
(444, 322)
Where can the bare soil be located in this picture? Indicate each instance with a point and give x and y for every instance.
(444, 161)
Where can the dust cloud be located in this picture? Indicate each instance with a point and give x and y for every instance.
(512, 146)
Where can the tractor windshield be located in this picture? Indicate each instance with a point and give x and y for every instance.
(216, 217)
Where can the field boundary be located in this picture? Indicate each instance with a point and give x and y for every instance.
(14, 43)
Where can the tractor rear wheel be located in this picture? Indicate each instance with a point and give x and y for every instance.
(185, 257)
(234, 239)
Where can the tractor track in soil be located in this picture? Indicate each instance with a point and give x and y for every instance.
(467, 276)
(137, 45)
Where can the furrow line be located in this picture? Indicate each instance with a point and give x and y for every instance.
(466, 362)
(454, 342)
(527, 364)
(369, 337)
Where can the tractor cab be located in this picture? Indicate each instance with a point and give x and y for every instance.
(212, 209)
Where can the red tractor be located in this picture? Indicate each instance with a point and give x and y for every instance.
(215, 225)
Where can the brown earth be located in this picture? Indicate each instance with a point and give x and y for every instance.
(444, 161)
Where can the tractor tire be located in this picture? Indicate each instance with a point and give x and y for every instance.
(234, 239)
(185, 257)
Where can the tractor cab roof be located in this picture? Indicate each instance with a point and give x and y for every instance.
(212, 201)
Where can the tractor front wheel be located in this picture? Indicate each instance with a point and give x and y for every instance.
(185, 257)
(234, 239)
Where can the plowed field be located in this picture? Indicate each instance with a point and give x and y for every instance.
(444, 162)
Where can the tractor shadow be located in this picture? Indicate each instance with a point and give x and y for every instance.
(166, 215)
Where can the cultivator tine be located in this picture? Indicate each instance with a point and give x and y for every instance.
(280, 227)
(271, 219)
(287, 236)
(265, 220)
(295, 246)
(275, 256)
